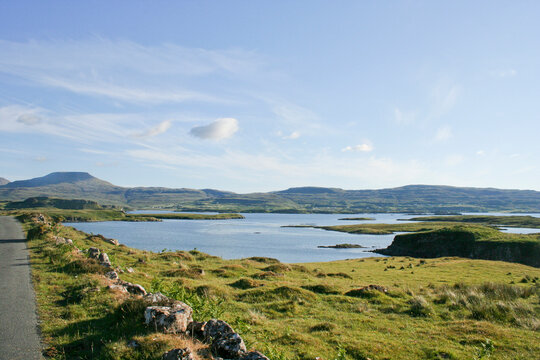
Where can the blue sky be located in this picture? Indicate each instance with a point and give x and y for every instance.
(265, 95)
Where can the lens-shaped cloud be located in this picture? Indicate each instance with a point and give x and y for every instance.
(220, 129)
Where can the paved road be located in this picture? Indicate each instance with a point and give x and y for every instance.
(19, 338)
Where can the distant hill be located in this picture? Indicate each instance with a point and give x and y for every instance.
(407, 199)
(67, 185)
(3, 181)
(46, 202)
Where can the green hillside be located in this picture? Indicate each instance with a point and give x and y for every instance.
(407, 199)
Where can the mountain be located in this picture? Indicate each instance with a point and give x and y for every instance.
(410, 198)
(3, 181)
(67, 185)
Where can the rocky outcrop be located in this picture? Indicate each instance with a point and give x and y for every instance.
(169, 320)
(112, 275)
(93, 252)
(229, 346)
(62, 241)
(463, 242)
(178, 354)
(104, 260)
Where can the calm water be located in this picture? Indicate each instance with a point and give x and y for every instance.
(256, 235)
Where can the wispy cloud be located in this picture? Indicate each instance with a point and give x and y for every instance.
(365, 147)
(220, 129)
(156, 130)
(124, 70)
(83, 128)
(292, 136)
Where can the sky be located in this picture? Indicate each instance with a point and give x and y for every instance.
(251, 96)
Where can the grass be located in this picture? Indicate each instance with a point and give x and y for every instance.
(510, 221)
(88, 215)
(435, 308)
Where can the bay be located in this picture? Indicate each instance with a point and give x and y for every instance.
(256, 235)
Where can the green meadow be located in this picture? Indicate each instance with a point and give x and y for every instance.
(443, 308)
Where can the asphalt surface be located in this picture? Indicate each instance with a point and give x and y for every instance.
(19, 334)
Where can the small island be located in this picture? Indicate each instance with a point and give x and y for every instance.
(341, 246)
(357, 218)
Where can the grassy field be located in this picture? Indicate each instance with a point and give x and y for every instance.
(446, 308)
(88, 215)
(510, 221)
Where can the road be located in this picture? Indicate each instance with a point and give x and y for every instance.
(19, 334)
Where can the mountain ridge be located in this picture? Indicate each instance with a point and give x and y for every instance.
(307, 199)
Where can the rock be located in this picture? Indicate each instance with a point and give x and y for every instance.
(169, 320)
(156, 298)
(178, 354)
(63, 241)
(113, 275)
(104, 260)
(93, 252)
(116, 287)
(112, 241)
(134, 288)
(133, 344)
(196, 329)
(119, 270)
(230, 346)
(253, 355)
(215, 329)
(130, 270)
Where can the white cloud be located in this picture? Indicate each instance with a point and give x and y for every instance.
(480, 153)
(156, 130)
(220, 129)
(366, 147)
(444, 133)
(294, 135)
(29, 119)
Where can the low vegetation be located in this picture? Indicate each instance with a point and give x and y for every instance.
(510, 221)
(416, 309)
(472, 241)
(87, 215)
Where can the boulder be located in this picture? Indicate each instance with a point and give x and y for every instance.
(93, 252)
(62, 241)
(104, 260)
(116, 287)
(156, 298)
(134, 288)
(169, 320)
(113, 275)
(112, 241)
(229, 346)
(215, 329)
(196, 329)
(130, 270)
(178, 354)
